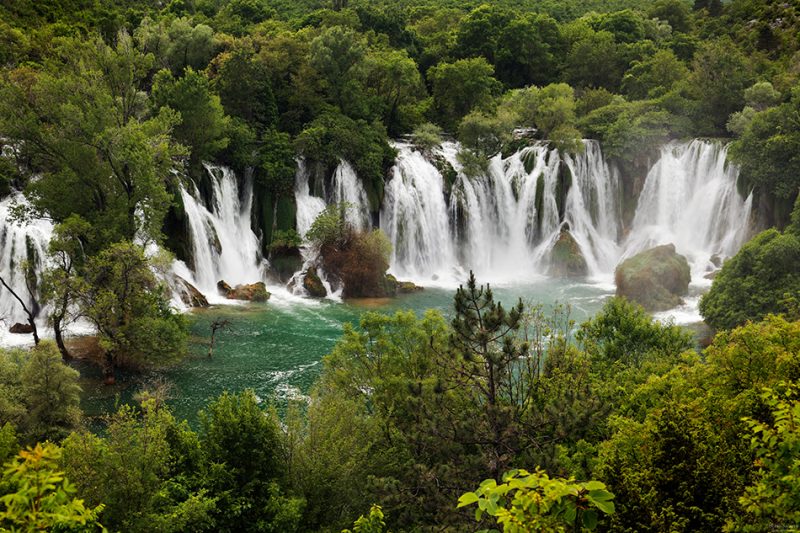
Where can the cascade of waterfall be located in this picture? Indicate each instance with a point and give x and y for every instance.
(20, 243)
(223, 243)
(347, 189)
(690, 199)
(308, 206)
(504, 223)
(593, 208)
(501, 224)
(414, 216)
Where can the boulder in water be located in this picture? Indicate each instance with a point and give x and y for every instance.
(655, 278)
(253, 292)
(312, 284)
(190, 295)
(407, 287)
(223, 287)
(566, 258)
(394, 287)
(21, 328)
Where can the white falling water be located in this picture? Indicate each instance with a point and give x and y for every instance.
(496, 225)
(20, 243)
(593, 208)
(347, 189)
(415, 217)
(503, 224)
(308, 206)
(223, 243)
(690, 199)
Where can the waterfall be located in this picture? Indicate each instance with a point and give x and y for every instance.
(20, 243)
(593, 208)
(501, 224)
(415, 218)
(308, 206)
(690, 199)
(223, 243)
(347, 189)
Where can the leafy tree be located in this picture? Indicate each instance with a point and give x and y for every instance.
(460, 87)
(203, 121)
(676, 12)
(772, 498)
(125, 302)
(676, 470)
(761, 96)
(336, 54)
(51, 392)
(178, 44)
(277, 165)
(533, 501)
(40, 395)
(246, 441)
(393, 79)
(629, 130)
(427, 136)
(244, 86)
(595, 61)
(654, 76)
(83, 126)
(623, 332)
(146, 468)
(480, 31)
(61, 282)
(767, 150)
(483, 134)
(550, 109)
(40, 498)
(531, 50)
(761, 278)
(720, 75)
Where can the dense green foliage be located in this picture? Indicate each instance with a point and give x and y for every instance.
(762, 278)
(410, 414)
(105, 106)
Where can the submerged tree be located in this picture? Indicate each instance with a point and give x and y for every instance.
(61, 282)
(126, 303)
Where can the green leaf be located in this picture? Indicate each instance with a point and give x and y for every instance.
(606, 506)
(594, 485)
(600, 495)
(467, 499)
(590, 519)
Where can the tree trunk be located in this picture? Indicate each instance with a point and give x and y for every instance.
(65, 355)
(108, 370)
(35, 331)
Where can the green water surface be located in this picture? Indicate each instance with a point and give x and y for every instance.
(276, 348)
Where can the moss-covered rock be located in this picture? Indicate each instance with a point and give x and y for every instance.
(312, 284)
(655, 278)
(407, 287)
(253, 292)
(563, 184)
(190, 295)
(566, 258)
(395, 287)
(449, 174)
